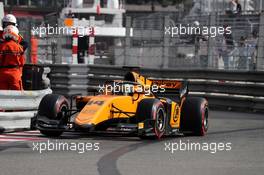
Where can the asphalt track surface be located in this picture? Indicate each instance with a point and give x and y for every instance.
(132, 156)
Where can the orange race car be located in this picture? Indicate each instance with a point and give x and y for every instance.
(135, 105)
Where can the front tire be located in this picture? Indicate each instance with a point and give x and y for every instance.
(53, 107)
(194, 116)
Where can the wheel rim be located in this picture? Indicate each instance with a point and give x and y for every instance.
(205, 120)
(160, 120)
(63, 111)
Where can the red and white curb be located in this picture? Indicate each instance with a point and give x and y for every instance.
(21, 136)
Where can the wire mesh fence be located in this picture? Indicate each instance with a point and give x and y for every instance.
(214, 47)
(151, 45)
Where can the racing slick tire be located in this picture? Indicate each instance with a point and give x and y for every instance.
(53, 107)
(152, 110)
(194, 116)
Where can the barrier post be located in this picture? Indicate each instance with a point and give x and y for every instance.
(127, 40)
(260, 52)
(212, 63)
(165, 46)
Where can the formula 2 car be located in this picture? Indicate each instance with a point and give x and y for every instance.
(134, 105)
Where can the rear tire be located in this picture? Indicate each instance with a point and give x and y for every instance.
(194, 116)
(152, 109)
(54, 107)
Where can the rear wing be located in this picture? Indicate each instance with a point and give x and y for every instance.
(165, 86)
(169, 87)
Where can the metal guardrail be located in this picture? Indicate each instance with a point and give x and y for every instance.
(236, 90)
(10, 121)
(22, 100)
(18, 107)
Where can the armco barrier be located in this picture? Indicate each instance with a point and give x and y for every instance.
(22, 105)
(21, 100)
(238, 90)
(10, 121)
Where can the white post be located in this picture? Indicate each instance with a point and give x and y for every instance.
(75, 48)
(91, 55)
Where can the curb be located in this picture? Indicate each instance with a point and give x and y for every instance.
(3, 130)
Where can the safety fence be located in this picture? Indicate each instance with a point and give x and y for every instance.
(167, 41)
(232, 90)
(201, 43)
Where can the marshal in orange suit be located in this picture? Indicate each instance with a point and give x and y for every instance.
(11, 60)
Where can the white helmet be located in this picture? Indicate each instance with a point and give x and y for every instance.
(11, 32)
(196, 23)
(10, 18)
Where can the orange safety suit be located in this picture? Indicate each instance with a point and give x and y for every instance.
(11, 63)
(21, 40)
